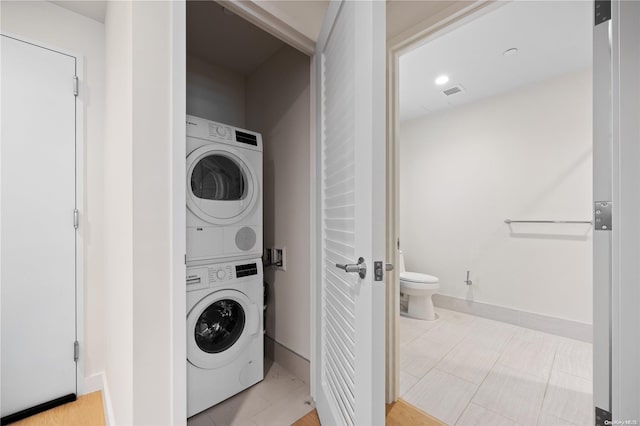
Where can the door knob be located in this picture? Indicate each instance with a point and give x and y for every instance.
(360, 268)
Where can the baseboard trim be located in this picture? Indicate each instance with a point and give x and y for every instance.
(559, 326)
(290, 360)
(98, 382)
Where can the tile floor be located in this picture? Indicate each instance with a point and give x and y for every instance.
(467, 370)
(279, 400)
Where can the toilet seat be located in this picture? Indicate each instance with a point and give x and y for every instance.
(416, 277)
(408, 286)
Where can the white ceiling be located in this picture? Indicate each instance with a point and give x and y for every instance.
(227, 40)
(94, 9)
(552, 37)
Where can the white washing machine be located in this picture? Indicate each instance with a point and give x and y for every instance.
(224, 331)
(224, 192)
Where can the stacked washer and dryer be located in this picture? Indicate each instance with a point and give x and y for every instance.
(224, 266)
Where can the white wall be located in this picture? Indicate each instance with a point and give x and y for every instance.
(118, 301)
(526, 154)
(152, 207)
(141, 337)
(215, 93)
(56, 27)
(278, 106)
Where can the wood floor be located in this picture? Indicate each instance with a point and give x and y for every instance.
(87, 410)
(398, 414)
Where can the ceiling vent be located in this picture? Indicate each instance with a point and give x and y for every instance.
(453, 90)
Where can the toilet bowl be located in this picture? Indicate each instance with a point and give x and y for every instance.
(419, 288)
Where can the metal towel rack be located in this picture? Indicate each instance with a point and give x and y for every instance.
(509, 221)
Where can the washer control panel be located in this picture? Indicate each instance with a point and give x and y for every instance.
(220, 273)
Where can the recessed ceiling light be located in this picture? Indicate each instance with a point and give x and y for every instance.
(510, 52)
(443, 79)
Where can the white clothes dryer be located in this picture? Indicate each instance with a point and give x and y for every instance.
(224, 331)
(224, 192)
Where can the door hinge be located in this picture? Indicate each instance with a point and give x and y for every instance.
(76, 218)
(76, 351)
(602, 215)
(75, 85)
(603, 417)
(602, 11)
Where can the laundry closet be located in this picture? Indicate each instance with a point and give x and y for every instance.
(243, 81)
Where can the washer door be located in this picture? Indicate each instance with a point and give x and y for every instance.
(220, 326)
(221, 187)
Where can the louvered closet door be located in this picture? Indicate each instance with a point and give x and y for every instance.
(349, 345)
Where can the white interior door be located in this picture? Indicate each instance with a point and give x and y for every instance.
(348, 368)
(37, 225)
(617, 248)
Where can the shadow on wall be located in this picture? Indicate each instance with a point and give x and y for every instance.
(287, 85)
(278, 106)
(269, 227)
(582, 237)
(561, 177)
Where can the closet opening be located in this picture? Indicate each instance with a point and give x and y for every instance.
(248, 148)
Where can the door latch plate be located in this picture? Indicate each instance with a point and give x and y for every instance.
(378, 271)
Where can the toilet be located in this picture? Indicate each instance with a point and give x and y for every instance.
(419, 288)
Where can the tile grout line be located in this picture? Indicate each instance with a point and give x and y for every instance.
(413, 385)
(473, 323)
(440, 360)
(483, 380)
(420, 335)
(572, 421)
(546, 387)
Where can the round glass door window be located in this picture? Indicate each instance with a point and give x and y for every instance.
(218, 177)
(219, 326)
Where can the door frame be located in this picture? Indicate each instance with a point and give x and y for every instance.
(624, 349)
(625, 232)
(449, 19)
(79, 200)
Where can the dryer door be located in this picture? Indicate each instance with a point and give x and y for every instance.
(222, 188)
(220, 326)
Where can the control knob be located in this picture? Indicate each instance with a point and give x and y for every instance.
(221, 131)
(220, 274)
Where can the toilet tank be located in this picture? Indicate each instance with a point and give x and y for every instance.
(402, 268)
